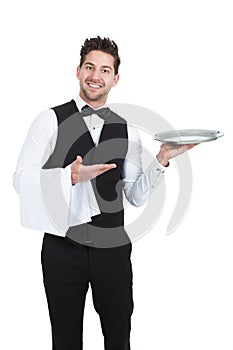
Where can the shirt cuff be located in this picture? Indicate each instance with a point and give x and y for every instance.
(159, 168)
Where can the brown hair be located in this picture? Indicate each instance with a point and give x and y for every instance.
(105, 45)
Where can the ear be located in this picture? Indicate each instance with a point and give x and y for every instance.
(78, 72)
(116, 79)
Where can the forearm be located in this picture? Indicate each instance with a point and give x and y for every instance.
(138, 191)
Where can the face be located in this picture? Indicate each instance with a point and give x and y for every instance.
(96, 77)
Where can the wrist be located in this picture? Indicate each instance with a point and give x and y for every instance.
(162, 160)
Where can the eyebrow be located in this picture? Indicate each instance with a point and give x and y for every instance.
(92, 64)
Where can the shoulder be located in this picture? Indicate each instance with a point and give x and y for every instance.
(133, 134)
(65, 106)
(44, 118)
(65, 110)
(45, 123)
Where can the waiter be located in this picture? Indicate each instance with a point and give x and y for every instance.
(77, 160)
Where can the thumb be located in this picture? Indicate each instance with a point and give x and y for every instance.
(79, 159)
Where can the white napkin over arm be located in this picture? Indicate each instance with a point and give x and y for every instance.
(48, 201)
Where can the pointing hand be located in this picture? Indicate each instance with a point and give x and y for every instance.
(80, 172)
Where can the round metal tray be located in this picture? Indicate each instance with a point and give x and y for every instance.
(188, 136)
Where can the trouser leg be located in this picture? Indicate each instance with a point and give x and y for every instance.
(65, 273)
(111, 282)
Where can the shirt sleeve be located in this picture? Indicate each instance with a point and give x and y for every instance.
(138, 184)
(46, 195)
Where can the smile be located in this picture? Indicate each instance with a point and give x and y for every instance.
(94, 86)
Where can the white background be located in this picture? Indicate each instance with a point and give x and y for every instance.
(177, 61)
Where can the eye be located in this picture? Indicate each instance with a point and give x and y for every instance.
(106, 71)
(89, 67)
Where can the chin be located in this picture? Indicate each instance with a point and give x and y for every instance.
(93, 97)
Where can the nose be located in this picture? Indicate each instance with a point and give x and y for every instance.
(95, 75)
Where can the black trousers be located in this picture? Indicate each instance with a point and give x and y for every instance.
(68, 270)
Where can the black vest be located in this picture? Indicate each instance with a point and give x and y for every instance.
(74, 139)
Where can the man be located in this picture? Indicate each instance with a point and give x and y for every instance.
(72, 170)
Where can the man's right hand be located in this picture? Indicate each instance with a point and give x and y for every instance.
(80, 172)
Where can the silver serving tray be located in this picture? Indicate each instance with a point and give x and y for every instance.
(188, 136)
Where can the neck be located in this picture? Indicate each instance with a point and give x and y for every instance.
(93, 103)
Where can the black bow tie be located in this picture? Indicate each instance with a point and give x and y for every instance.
(102, 112)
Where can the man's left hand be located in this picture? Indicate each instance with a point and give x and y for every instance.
(168, 151)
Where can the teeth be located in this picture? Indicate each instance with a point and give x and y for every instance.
(94, 86)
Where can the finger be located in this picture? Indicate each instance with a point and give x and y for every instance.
(171, 146)
(105, 167)
(109, 166)
(79, 159)
(191, 145)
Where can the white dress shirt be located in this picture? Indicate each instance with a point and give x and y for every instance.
(48, 201)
